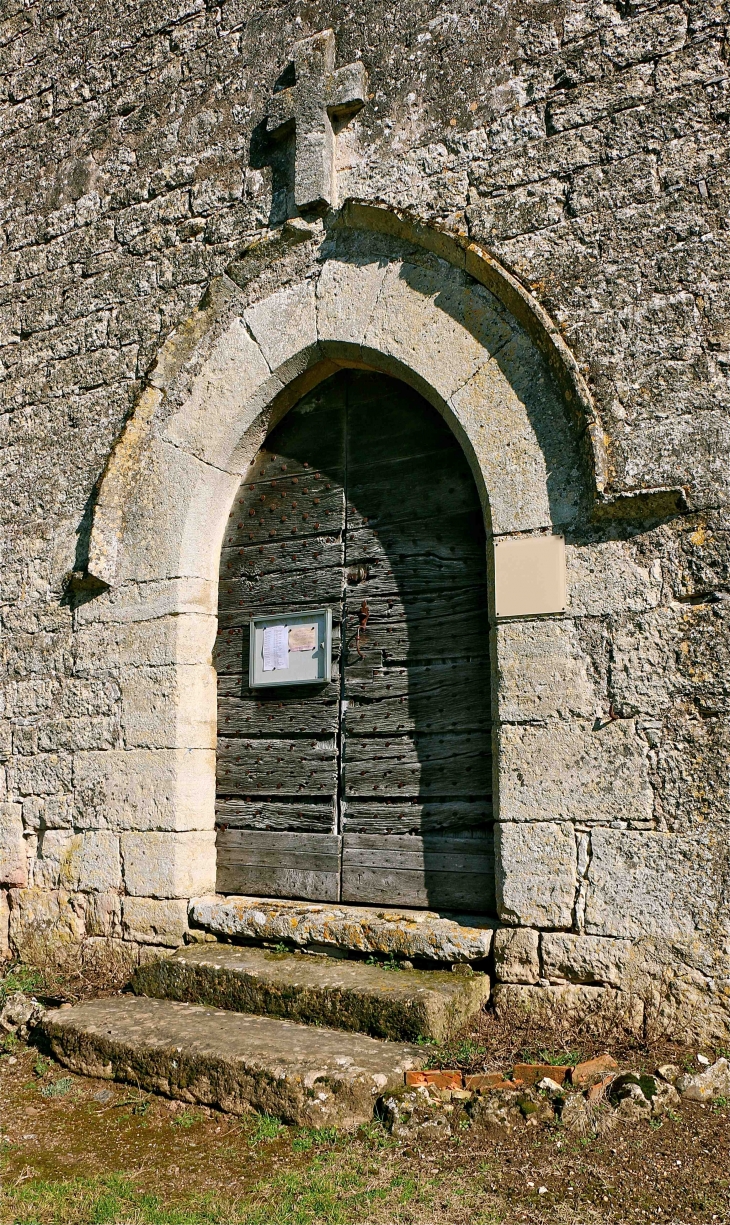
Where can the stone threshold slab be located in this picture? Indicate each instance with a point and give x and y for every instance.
(306, 1076)
(401, 1005)
(414, 935)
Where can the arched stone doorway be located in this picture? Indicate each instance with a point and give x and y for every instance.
(375, 787)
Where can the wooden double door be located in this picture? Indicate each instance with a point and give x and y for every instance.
(376, 787)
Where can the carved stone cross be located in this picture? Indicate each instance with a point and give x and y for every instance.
(320, 94)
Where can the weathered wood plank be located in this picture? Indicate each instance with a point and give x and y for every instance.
(415, 817)
(429, 629)
(285, 557)
(272, 815)
(447, 697)
(455, 873)
(437, 852)
(281, 591)
(466, 893)
(417, 559)
(424, 766)
(289, 507)
(276, 767)
(288, 865)
(387, 420)
(309, 441)
(409, 490)
(294, 713)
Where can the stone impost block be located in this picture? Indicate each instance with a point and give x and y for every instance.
(542, 672)
(536, 873)
(593, 960)
(285, 327)
(442, 326)
(516, 958)
(574, 772)
(169, 865)
(169, 707)
(13, 860)
(136, 602)
(152, 921)
(657, 884)
(146, 789)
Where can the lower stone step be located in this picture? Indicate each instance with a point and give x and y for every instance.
(310, 1077)
(402, 1005)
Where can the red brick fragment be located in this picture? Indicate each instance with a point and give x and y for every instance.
(531, 1073)
(442, 1078)
(483, 1080)
(589, 1073)
(596, 1092)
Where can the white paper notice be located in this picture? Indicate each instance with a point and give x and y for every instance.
(276, 647)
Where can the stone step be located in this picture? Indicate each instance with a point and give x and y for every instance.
(417, 935)
(402, 1005)
(230, 1060)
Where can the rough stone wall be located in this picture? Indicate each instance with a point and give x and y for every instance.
(586, 145)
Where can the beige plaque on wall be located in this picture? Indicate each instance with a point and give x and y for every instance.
(529, 575)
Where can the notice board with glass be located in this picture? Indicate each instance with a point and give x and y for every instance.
(291, 649)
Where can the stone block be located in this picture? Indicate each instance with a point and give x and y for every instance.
(656, 883)
(347, 291)
(574, 772)
(151, 921)
(145, 789)
(46, 925)
(81, 863)
(218, 411)
(516, 957)
(604, 578)
(175, 518)
(166, 865)
(594, 960)
(103, 914)
(169, 707)
(43, 774)
(646, 36)
(516, 425)
(440, 325)
(285, 326)
(106, 648)
(5, 952)
(596, 1009)
(542, 672)
(13, 860)
(536, 873)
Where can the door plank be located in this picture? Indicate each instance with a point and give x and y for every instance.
(432, 698)
(300, 865)
(422, 766)
(272, 815)
(276, 767)
(296, 506)
(416, 817)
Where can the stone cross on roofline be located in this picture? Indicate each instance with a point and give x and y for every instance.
(320, 94)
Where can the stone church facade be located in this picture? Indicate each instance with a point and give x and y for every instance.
(517, 217)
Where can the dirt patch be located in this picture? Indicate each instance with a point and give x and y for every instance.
(78, 1150)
